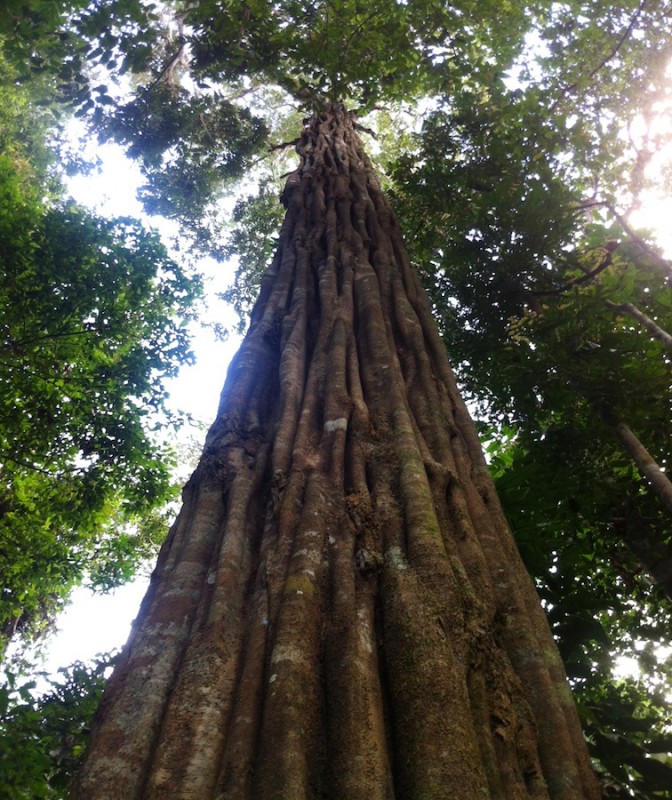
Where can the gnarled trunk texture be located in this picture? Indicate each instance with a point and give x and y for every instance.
(339, 611)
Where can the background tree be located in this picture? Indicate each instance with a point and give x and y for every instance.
(43, 739)
(92, 324)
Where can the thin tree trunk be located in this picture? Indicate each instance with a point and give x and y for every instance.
(645, 321)
(651, 549)
(339, 610)
(644, 461)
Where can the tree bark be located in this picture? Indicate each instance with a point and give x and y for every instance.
(339, 610)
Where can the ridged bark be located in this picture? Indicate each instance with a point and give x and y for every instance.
(340, 610)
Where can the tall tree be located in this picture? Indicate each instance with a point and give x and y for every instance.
(504, 144)
(339, 610)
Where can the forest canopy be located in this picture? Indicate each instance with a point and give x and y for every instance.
(523, 147)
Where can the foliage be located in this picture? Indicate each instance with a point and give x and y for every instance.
(252, 241)
(42, 737)
(188, 146)
(600, 603)
(170, 83)
(92, 323)
(635, 763)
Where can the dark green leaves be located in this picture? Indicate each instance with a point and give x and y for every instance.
(252, 242)
(42, 739)
(189, 148)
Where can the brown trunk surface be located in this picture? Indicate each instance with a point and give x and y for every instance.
(340, 610)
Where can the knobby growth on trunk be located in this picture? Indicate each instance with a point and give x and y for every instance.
(339, 610)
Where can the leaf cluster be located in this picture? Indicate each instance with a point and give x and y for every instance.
(252, 242)
(42, 737)
(170, 82)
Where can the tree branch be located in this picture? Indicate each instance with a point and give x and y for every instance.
(212, 139)
(645, 321)
(34, 467)
(619, 43)
(644, 461)
(663, 263)
(170, 64)
(612, 54)
(660, 261)
(364, 129)
(56, 335)
(283, 145)
(588, 276)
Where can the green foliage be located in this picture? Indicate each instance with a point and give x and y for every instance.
(90, 330)
(257, 219)
(623, 726)
(66, 42)
(92, 323)
(188, 147)
(599, 601)
(170, 83)
(43, 737)
(359, 53)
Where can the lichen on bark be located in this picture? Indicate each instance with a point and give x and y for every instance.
(339, 610)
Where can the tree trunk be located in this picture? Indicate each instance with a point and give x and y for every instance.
(340, 610)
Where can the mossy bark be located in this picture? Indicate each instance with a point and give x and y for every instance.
(340, 610)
